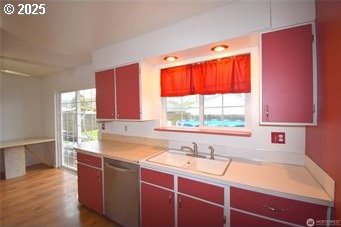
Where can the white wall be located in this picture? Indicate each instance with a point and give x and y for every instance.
(256, 147)
(219, 24)
(233, 20)
(21, 109)
(76, 79)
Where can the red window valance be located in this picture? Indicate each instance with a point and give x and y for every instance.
(226, 75)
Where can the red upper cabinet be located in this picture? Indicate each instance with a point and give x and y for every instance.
(287, 77)
(128, 92)
(105, 98)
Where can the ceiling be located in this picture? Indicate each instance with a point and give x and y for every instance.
(66, 35)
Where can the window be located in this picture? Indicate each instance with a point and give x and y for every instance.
(77, 123)
(206, 111)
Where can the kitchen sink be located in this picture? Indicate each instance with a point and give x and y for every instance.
(179, 159)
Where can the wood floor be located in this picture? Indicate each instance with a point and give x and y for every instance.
(45, 197)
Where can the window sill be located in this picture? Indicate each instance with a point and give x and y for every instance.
(206, 131)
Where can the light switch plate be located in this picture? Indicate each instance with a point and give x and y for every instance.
(278, 137)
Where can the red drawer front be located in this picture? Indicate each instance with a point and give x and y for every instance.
(239, 219)
(162, 179)
(284, 209)
(201, 190)
(89, 160)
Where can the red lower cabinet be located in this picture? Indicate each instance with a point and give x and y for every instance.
(198, 204)
(157, 206)
(288, 210)
(196, 213)
(90, 189)
(239, 219)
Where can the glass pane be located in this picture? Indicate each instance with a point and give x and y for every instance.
(190, 101)
(174, 103)
(78, 122)
(213, 100)
(234, 117)
(85, 95)
(213, 117)
(68, 97)
(234, 99)
(183, 111)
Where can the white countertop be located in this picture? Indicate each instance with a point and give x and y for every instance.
(288, 181)
(123, 151)
(23, 142)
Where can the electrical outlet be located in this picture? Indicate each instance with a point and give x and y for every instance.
(103, 126)
(278, 137)
(126, 128)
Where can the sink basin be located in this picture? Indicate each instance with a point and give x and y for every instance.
(215, 167)
(171, 159)
(176, 159)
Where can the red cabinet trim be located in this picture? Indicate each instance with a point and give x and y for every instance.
(276, 207)
(241, 219)
(89, 160)
(201, 190)
(158, 178)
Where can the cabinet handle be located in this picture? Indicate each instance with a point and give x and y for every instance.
(179, 201)
(267, 113)
(98, 178)
(170, 200)
(274, 209)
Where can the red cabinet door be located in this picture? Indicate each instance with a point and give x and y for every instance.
(196, 213)
(287, 75)
(90, 189)
(239, 219)
(105, 94)
(157, 206)
(128, 92)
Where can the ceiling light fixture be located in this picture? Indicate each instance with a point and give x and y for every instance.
(15, 73)
(170, 58)
(219, 48)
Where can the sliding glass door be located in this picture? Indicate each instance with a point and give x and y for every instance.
(77, 123)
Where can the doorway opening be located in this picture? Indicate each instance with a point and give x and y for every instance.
(77, 123)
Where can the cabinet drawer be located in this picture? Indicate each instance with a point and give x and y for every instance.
(157, 178)
(276, 207)
(89, 160)
(201, 190)
(239, 219)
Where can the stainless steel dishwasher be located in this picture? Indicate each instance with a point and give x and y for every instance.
(121, 192)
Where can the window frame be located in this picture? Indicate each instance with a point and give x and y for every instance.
(248, 117)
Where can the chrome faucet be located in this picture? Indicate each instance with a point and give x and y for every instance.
(211, 152)
(194, 150)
